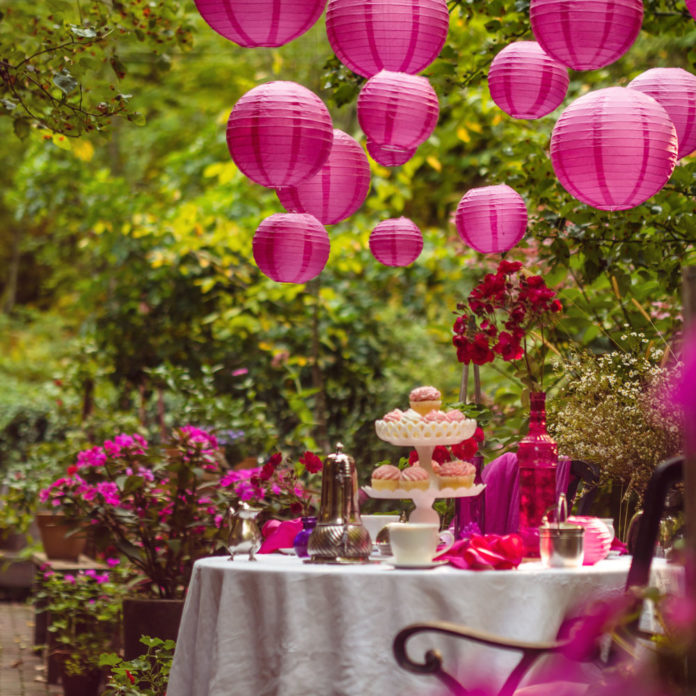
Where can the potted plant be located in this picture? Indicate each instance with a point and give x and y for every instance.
(84, 611)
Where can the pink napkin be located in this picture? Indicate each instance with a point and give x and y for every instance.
(279, 535)
(618, 545)
(485, 552)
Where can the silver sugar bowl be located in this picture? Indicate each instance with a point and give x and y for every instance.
(339, 536)
(244, 534)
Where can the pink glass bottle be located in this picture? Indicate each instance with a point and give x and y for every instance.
(537, 457)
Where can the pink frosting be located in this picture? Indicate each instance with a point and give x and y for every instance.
(415, 473)
(426, 393)
(457, 468)
(435, 417)
(393, 416)
(387, 472)
(455, 416)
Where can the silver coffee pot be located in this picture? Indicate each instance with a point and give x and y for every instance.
(339, 536)
(244, 534)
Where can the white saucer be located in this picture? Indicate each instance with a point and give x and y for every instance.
(417, 566)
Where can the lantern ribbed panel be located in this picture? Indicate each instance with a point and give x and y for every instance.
(396, 242)
(525, 82)
(586, 34)
(400, 35)
(675, 90)
(396, 110)
(614, 148)
(389, 157)
(279, 134)
(338, 189)
(291, 247)
(252, 23)
(491, 219)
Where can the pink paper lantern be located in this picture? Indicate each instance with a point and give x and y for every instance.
(389, 157)
(291, 247)
(279, 134)
(525, 82)
(397, 111)
(597, 538)
(691, 6)
(491, 219)
(400, 35)
(252, 23)
(614, 148)
(396, 242)
(586, 34)
(675, 90)
(338, 189)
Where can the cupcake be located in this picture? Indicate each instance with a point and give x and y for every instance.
(386, 478)
(424, 399)
(457, 474)
(415, 477)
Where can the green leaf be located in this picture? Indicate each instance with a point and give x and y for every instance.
(21, 128)
(65, 82)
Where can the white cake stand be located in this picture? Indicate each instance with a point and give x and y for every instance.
(424, 499)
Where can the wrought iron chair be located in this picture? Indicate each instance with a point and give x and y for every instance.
(665, 476)
(587, 474)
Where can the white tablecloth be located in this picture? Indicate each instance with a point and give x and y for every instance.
(279, 627)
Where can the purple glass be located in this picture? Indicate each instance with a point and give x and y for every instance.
(469, 512)
(537, 457)
(302, 537)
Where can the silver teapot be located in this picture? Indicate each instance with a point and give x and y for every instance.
(339, 536)
(244, 534)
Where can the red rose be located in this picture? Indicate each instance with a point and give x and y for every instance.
(465, 449)
(460, 324)
(480, 351)
(441, 454)
(556, 306)
(508, 267)
(72, 470)
(508, 347)
(535, 281)
(311, 462)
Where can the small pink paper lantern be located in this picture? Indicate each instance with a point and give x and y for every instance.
(397, 111)
(596, 540)
(279, 134)
(396, 242)
(389, 157)
(491, 219)
(338, 189)
(586, 34)
(291, 247)
(525, 82)
(400, 35)
(691, 6)
(614, 148)
(251, 23)
(675, 90)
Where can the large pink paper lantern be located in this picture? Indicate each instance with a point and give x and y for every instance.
(614, 148)
(691, 6)
(400, 35)
(525, 82)
(397, 111)
(491, 219)
(586, 34)
(338, 189)
(396, 242)
(252, 23)
(675, 90)
(291, 247)
(279, 134)
(389, 156)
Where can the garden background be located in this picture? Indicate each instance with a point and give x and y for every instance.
(129, 299)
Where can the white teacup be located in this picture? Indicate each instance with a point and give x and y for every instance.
(415, 543)
(376, 523)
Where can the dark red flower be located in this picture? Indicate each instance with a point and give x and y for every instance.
(556, 306)
(72, 470)
(465, 449)
(460, 324)
(480, 351)
(131, 678)
(441, 454)
(508, 267)
(311, 462)
(478, 435)
(508, 347)
(535, 281)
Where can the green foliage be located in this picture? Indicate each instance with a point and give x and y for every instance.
(146, 675)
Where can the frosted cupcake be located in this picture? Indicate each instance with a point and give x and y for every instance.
(415, 478)
(425, 399)
(386, 478)
(457, 474)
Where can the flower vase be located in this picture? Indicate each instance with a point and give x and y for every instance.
(537, 458)
(302, 537)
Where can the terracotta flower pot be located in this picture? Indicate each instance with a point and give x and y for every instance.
(56, 537)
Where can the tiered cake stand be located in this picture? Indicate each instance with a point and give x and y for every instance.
(424, 499)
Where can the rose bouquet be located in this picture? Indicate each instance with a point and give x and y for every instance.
(155, 505)
(498, 319)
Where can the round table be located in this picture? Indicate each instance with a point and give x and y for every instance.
(282, 627)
